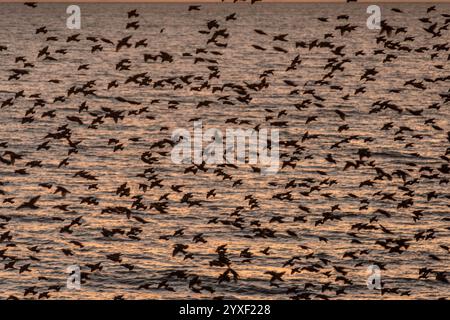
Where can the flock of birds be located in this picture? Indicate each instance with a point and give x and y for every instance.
(136, 207)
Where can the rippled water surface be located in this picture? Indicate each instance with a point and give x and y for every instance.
(364, 135)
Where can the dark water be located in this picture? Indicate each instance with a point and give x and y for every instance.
(404, 174)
